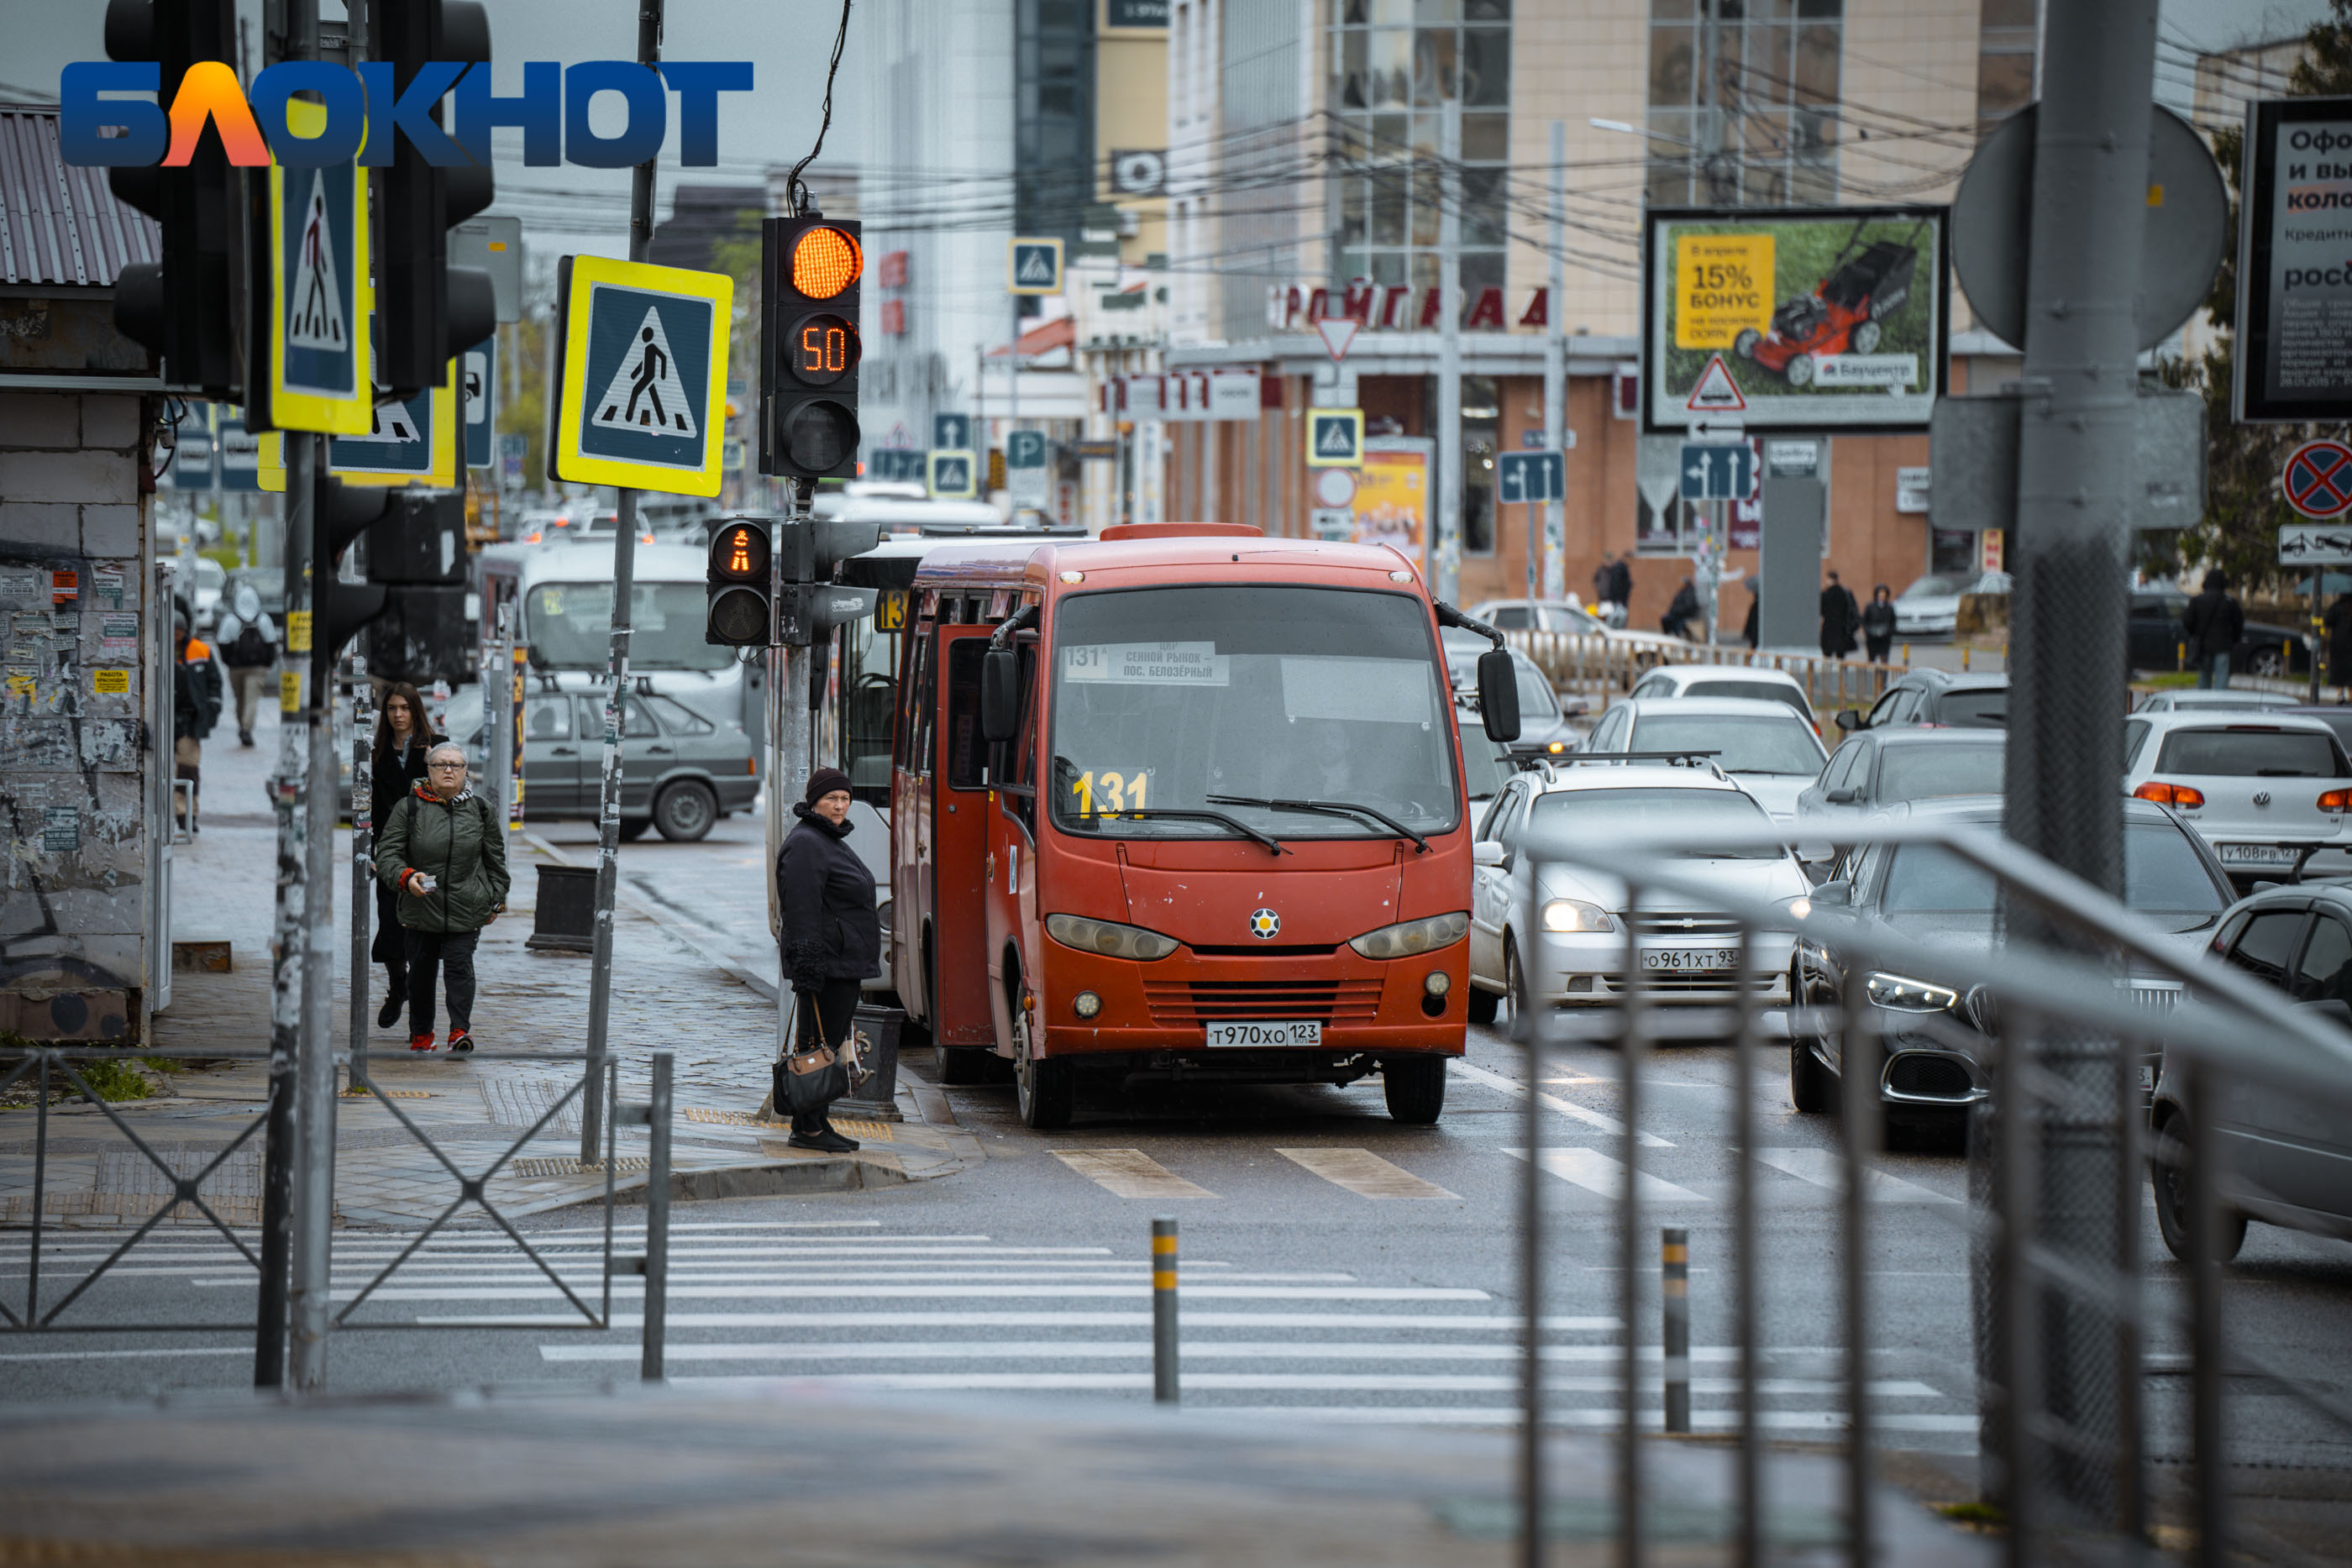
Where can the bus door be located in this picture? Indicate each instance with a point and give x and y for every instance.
(915, 745)
(959, 847)
(1012, 868)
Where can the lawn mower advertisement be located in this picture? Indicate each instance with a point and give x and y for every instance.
(1795, 320)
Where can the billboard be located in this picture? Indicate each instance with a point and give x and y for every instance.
(1391, 502)
(1794, 318)
(2293, 362)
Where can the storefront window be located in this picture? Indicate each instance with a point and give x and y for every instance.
(1743, 101)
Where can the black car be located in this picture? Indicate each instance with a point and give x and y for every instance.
(2158, 642)
(1936, 696)
(1930, 894)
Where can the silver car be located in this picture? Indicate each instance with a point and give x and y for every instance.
(681, 771)
(1764, 744)
(2266, 791)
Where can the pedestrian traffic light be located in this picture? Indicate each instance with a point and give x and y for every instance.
(809, 348)
(427, 312)
(737, 613)
(189, 309)
(416, 565)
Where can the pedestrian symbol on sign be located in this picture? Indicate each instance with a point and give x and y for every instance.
(315, 308)
(1334, 437)
(645, 393)
(393, 423)
(1033, 266)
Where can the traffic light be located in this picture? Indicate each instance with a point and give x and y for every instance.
(736, 583)
(416, 564)
(427, 312)
(189, 309)
(809, 348)
(810, 602)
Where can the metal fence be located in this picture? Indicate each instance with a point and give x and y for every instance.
(1603, 668)
(200, 1190)
(2238, 1025)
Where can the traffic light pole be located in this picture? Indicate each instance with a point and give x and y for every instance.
(314, 1115)
(788, 755)
(617, 694)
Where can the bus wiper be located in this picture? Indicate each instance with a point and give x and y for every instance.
(1092, 816)
(1330, 809)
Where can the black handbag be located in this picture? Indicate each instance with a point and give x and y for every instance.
(809, 1080)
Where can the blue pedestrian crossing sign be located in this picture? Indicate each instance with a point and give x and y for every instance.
(952, 432)
(1025, 449)
(1334, 437)
(1717, 471)
(1527, 476)
(477, 381)
(411, 440)
(1032, 266)
(954, 475)
(643, 372)
(320, 374)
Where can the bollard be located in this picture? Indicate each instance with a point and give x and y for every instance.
(1673, 1299)
(1964, 658)
(656, 1316)
(1907, 655)
(1163, 1310)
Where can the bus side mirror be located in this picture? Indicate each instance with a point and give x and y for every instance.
(1000, 696)
(1498, 694)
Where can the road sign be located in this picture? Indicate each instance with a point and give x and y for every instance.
(952, 432)
(1334, 437)
(477, 378)
(1338, 332)
(643, 373)
(895, 462)
(2317, 479)
(412, 441)
(237, 451)
(953, 475)
(1715, 473)
(1334, 486)
(1032, 266)
(1025, 449)
(1525, 477)
(320, 355)
(1337, 524)
(1716, 392)
(495, 245)
(512, 449)
(2315, 544)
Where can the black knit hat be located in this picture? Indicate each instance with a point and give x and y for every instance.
(824, 782)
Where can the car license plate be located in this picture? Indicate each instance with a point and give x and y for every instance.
(2260, 854)
(2148, 1075)
(1679, 959)
(1277, 1033)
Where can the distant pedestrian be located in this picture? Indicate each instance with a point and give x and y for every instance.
(1602, 576)
(1878, 623)
(1621, 581)
(195, 708)
(2214, 621)
(832, 934)
(446, 853)
(1747, 627)
(1681, 611)
(403, 734)
(248, 643)
(1841, 617)
(2339, 641)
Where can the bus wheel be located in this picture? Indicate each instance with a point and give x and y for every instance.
(1415, 1086)
(1046, 1088)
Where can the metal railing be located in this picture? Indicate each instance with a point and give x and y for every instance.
(1603, 668)
(2037, 990)
(182, 1191)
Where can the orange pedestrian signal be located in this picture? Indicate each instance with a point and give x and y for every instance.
(737, 612)
(739, 553)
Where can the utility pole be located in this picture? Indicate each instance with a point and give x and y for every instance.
(1444, 567)
(616, 695)
(2076, 441)
(1554, 385)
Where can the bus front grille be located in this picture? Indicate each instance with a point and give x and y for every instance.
(1185, 1003)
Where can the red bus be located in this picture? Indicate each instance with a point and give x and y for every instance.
(1185, 803)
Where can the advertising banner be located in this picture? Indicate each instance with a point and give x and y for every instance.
(1391, 504)
(2294, 287)
(1794, 320)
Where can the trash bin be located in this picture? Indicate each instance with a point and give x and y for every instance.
(877, 1031)
(565, 920)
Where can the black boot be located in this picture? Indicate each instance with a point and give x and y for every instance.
(810, 1131)
(389, 1014)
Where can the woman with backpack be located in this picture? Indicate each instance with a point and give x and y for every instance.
(249, 644)
(403, 733)
(444, 850)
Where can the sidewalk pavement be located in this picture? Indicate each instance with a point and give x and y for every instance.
(668, 995)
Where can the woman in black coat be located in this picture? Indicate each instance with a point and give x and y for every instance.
(832, 932)
(403, 733)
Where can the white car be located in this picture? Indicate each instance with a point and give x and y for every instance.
(2263, 788)
(2207, 701)
(1931, 606)
(1728, 681)
(1765, 746)
(1567, 616)
(1576, 956)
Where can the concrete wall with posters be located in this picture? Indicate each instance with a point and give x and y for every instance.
(76, 937)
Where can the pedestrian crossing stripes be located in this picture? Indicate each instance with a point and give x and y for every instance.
(1364, 1173)
(1129, 1173)
(1596, 1172)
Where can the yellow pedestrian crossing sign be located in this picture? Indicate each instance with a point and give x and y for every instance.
(642, 365)
(1334, 437)
(1032, 266)
(320, 369)
(408, 441)
(953, 473)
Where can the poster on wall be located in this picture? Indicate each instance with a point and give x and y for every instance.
(1794, 318)
(1392, 503)
(2294, 361)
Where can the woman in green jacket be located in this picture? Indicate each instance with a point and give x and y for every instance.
(442, 849)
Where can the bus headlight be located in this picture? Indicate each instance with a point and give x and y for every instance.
(1407, 937)
(1437, 983)
(1108, 937)
(1085, 1004)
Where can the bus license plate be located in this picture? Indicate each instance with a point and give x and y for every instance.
(1303, 1031)
(1681, 959)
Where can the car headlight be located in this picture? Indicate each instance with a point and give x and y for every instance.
(1108, 938)
(1575, 914)
(1410, 936)
(1902, 994)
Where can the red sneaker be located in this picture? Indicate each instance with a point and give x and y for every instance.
(420, 1042)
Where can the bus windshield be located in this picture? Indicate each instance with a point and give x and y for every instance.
(1165, 698)
(570, 627)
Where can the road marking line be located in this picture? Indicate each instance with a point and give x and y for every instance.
(1826, 1168)
(1365, 1173)
(521, 1289)
(1357, 1323)
(1129, 1173)
(1275, 1382)
(1596, 1172)
(1508, 1415)
(1567, 1108)
(124, 1354)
